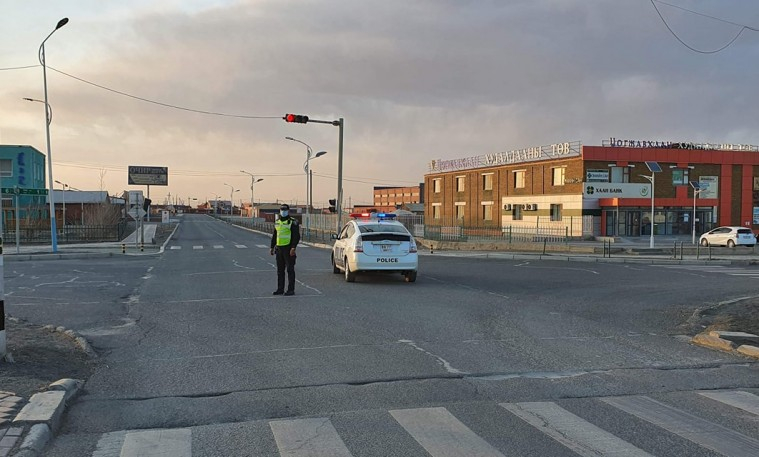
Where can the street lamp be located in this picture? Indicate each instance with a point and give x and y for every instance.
(63, 200)
(309, 153)
(253, 181)
(697, 189)
(48, 119)
(231, 198)
(654, 168)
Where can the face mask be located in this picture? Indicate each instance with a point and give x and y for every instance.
(283, 213)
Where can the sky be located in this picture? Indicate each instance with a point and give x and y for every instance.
(414, 81)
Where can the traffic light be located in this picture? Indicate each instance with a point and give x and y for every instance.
(146, 204)
(333, 205)
(296, 118)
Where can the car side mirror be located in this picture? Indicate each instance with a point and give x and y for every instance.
(333, 236)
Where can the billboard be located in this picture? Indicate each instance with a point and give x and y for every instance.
(615, 190)
(148, 176)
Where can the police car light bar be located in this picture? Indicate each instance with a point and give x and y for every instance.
(372, 216)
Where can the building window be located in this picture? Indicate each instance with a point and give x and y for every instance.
(437, 185)
(487, 181)
(487, 211)
(517, 213)
(620, 174)
(460, 207)
(519, 179)
(436, 211)
(460, 187)
(558, 175)
(6, 168)
(556, 212)
(680, 177)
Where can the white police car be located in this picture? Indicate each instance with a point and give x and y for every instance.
(374, 242)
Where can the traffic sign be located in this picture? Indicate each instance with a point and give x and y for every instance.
(20, 191)
(136, 212)
(151, 176)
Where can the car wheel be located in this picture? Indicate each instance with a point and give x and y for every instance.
(730, 243)
(349, 275)
(704, 242)
(335, 270)
(410, 276)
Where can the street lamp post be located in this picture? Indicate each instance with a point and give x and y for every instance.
(696, 190)
(253, 181)
(231, 198)
(63, 201)
(309, 156)
(654, 168)
(48, 119)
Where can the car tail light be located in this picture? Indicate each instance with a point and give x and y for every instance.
(412, 246)
(359, 246)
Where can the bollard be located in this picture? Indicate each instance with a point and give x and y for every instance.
(545, 240)
(123, 248)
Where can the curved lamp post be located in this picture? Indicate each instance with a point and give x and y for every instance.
(309, 156)
(48, 119)
(231, 198)
(253, 181)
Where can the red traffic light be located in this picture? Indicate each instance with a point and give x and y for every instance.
(296, 118)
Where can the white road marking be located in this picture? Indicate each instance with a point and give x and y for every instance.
(158, 443)
(262, 246)
(218, 246)
(707, 434)
(441, 434)
(241, 246)
(738, 399)
(175, 247)
(440, 360)
(578, 435)
(308, 438)
(265, 297)
(197, 247)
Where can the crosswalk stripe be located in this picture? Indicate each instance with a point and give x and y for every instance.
(158, 443)
(241, 246)
(218, 246)
(441, 434)
(262, 246)
(175, 247)
(693, 428)
(197, 247)
(308, 438)
(580, 436)
(738, 399)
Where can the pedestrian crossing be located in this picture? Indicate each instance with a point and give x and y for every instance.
(200, 247)
(747, 271)
(438, 432)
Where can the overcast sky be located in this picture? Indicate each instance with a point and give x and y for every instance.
(415, 80)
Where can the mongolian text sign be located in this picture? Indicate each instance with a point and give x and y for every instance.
(516, 156)
(626, 143)
(148, 176)
(615, 190)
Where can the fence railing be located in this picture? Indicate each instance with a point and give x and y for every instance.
(66, 234)
(319, 228)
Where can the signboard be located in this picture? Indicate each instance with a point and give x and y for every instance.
(756, 215)
(597, 176)
(623, 143)
(709, 186)
(592, 190)
(20, 191)
(164, 217)
(148, 176)
(533, 154)
(136, 212)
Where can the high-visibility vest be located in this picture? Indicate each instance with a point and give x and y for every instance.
(284, 232)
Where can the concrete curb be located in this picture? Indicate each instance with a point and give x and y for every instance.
(42, 414)
(714, 340)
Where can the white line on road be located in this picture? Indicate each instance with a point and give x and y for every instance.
(241, 246)
(440, 360)
(158, 443)
(441, 434)
(315, 437)
(197, 247)
(251, 270)
(265, 297)
(218, 246)
(578, 435)
(738, 399)
(262, 246)
(175, 247)
(57, 283)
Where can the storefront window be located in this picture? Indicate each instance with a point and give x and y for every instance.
(680, 177)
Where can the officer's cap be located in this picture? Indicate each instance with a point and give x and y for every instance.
(284, 207)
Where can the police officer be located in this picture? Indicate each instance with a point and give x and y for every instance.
(283, 242)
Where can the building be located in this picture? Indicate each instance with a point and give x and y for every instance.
(388, 199)
(22, 179)
(599, 190)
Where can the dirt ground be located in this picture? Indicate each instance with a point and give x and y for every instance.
(742, 316)
(40, 357)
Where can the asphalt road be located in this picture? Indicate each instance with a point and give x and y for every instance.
(478, 357)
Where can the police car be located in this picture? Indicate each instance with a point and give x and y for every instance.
(374, 242)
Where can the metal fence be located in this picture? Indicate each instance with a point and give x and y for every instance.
(68, 234)
(319, 228)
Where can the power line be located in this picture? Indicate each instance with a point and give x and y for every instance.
(742, 27)
(18, 68)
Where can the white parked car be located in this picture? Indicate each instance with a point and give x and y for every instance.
(728, 236)
(374, 242)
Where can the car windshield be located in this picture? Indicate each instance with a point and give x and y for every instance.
(383, 228)
(744, 231)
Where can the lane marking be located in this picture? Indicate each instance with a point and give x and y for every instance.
(315, 437)
(441, 434)
(707, 434)
(577, 434)
(197, 247)
(265, 297)
(218, 246)
(241, 246)
(175, 247)
(736, 398)
(250, 270)
(262, 246)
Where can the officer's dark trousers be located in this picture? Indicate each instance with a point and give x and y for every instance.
(285, 260)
